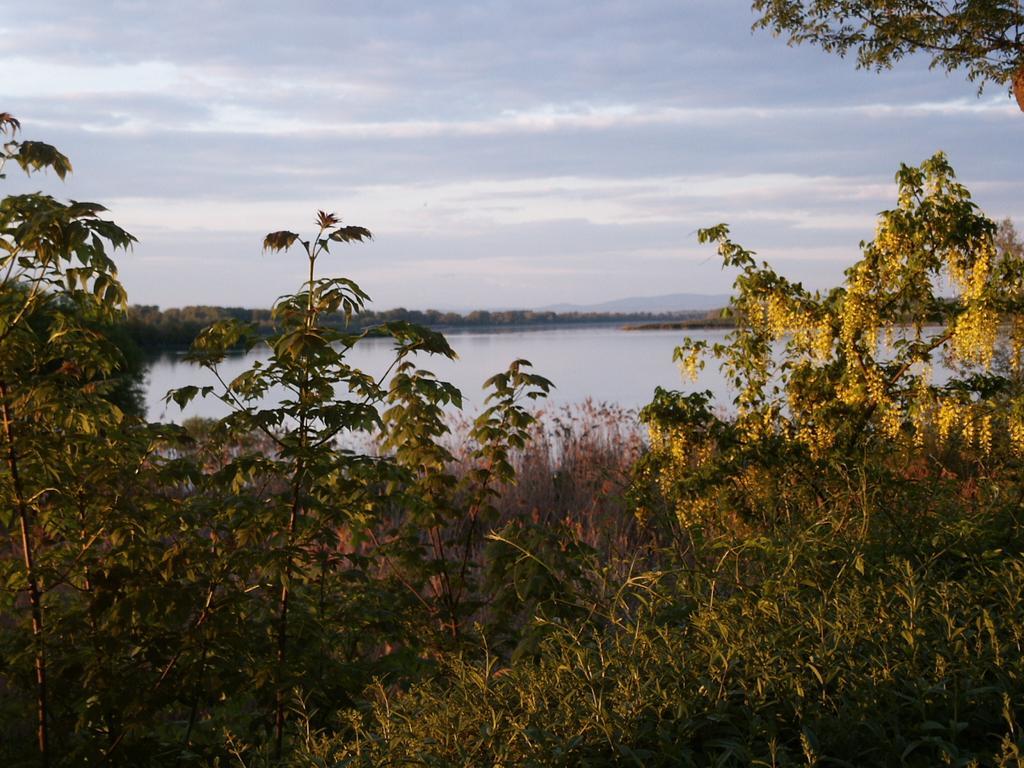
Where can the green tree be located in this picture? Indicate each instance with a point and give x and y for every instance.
(57, 286)
(853, 376)
(296, 500)
(455, 513)
(194, 594)
(985, 38)
(849, 572)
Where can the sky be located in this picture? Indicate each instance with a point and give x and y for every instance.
(505, 153)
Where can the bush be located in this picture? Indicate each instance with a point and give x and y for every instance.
(838, 656)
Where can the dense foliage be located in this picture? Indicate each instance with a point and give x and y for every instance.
(840, 571)
(824, 648)
(982, 37)
(337, 574)
(173, 594)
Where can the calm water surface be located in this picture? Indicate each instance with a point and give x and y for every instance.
(603, 363)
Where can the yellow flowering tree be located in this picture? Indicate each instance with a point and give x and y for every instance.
(898, 357)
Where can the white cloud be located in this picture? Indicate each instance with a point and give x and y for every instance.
(242, 119)
(460, 209)
(34, 78)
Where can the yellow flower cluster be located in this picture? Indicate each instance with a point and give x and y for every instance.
(680, 446)
(891, 248)
(810, 334)
(918, 419)
(814, 337)
(780, 318)
(968, 430)
(920, 408)
(656, 435)
(822, 344)
(875, 383)
(755, 425)
(892, 422)
(691, 364)
(683, 451)
(850, 392)
(819, 438)
(1015, 428)
(860, 314)
(1016, 343)
(692, 512)
(673, 443)
(975, 333)
(924, 378)
(975, 427)
(983, 433)
(971, 271)
(950, 416)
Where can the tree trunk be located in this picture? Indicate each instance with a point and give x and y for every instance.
(34, 593)
(282, 621)
(1018, 87)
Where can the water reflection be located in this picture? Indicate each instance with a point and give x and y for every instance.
(604, 363)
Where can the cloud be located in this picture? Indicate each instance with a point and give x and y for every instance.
(38, 78)
(460, 209)
(569, 149)
(242, 119)
(553, 118)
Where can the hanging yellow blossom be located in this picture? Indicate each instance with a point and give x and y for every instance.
(949, 418)
(984, 433)
(892, 422)
(1015, 428)
(975, 333)
(690, 364)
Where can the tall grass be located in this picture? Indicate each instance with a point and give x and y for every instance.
(815, 649)
(575, 473)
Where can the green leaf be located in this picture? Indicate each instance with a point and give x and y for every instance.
(37, 155)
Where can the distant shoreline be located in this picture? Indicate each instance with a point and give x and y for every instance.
(153, 329)
(697, 324)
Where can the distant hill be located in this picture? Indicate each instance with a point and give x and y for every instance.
(671, 302)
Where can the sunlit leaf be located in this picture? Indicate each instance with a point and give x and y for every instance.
(37, 155)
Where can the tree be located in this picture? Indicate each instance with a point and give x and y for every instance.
(171, 595)
(1008, 242)
(57, 283)
(310, 489)
(983, 37)
(827, 381)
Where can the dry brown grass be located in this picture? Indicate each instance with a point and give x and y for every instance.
(575, 471)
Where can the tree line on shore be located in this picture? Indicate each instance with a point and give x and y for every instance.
(175, 328)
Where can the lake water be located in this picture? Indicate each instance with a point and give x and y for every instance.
(604, 363)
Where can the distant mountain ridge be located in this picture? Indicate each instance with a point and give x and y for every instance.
(670, 302)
